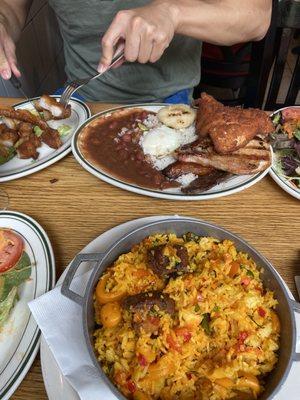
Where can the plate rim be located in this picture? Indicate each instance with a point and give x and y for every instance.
(54, 158)
(34, 345)
(282, 182)
(149, 192)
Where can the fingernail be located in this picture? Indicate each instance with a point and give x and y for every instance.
(101, 68)
(6, 74)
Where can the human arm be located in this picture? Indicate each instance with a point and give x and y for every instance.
(148, 30)
(12, 18)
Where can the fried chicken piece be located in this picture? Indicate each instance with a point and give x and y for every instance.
(11, 123)
(8, 137)
(28, 147)
(25, 129)
(51, 138)
(24, 116)
(230, 128)
(179, 168)
(52, 108)
(253, 158)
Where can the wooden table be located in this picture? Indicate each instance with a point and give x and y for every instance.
(78, 207)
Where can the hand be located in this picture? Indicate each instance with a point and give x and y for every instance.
(8, 60)
(147, 32)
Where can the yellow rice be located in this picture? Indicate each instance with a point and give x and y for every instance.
(233, 328)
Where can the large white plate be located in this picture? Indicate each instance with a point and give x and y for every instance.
(280, 179)
(20, 337)
(56, 384)
(232, 185)
(17, 168)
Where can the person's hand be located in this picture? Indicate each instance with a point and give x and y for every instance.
(147, 32)
(8, 59)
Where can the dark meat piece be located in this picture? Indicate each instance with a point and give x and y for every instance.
(253, 158)
(25, 129)
(163, 266)
(51, 138)
(179, 168)
(146, 301)
(230, 128)
(8, 137)
(206, 182)
(143, 306)
(28, 148)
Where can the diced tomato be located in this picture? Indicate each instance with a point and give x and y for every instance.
(245, 281)
(261, 312)
(131, 386)
(11, 248)
(142, 360)
(184, 333)
(242, 336)
(173, 343)
(154, 320)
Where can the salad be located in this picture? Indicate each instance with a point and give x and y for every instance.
(15, 268)
(286, 144)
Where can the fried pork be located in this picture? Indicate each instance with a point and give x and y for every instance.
(230, 128)
(51, 138)
(52, 108)
(8, 137)
(253, 158)
(28, 147)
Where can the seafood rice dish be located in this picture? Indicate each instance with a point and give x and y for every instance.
(185, 318)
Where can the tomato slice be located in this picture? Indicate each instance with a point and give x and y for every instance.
(11, 248)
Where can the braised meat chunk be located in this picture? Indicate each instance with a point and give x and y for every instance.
(230, 128)
(146, 308)
(167, 261)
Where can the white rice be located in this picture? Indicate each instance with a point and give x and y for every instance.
(186, 179)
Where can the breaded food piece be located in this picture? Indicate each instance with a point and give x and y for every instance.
(52, 108)
(28, 147)
(230, 128)
(51, 138)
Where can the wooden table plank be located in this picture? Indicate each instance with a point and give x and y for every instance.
(78, 207)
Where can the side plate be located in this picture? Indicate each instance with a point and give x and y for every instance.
(20, 336)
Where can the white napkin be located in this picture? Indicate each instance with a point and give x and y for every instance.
(60, 321)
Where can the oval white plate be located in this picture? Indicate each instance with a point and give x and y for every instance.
(58, 387)
(280, 179)
(20, 337)
(17, 168)
(232, 185)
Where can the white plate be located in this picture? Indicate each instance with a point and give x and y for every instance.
(20, 337)
(17, 168)
(280, 179)
(58, 387)
(232, 185)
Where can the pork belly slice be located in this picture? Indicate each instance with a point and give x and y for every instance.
(206, 182)
(179, 168)
(52, 108)
(51, 138)
(28, 147)
(251, 159)
(230, 128)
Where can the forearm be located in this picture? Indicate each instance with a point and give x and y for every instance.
(222, 22)
(13, 15)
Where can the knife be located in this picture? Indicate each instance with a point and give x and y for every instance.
(297, 281)
(18, 85)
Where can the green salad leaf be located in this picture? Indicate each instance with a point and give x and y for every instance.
(6, 154)
(7, 304)
(276, 118)
(15, 276)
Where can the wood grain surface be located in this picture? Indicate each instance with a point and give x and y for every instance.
(78, 207)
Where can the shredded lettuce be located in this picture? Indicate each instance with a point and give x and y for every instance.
(38, 131)
(64, 130)
(276, 118)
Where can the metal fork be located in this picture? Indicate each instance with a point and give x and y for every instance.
(72, 87)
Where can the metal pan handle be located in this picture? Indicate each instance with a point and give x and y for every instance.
(75, 264)
(296, 308)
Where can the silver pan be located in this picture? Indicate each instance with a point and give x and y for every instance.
(286, 308)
